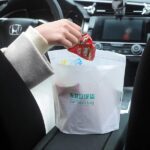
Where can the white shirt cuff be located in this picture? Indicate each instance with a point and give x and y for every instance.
(37, 39)
(28, 61)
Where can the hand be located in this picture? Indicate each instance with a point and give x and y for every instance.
(62, 32)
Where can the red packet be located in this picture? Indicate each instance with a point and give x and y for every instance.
(85, 48)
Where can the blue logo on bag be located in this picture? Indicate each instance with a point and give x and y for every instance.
(78, 61)
(82, 99)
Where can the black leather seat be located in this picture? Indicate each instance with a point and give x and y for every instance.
(139, 119)
(56, 140)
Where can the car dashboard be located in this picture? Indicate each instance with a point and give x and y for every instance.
(126, 34)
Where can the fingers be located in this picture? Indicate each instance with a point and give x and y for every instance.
(72, 32)
(62, 32)
(77, 27)
(66, 39)
(73, 39)
(66, 43)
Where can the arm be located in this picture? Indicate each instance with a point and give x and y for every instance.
(26, 53)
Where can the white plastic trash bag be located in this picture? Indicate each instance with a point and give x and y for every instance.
(87, 94)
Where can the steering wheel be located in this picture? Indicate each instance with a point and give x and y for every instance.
(11, 28)
(68, 9)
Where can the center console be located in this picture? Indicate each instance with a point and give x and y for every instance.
(127, 36)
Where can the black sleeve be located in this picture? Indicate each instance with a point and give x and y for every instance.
(21, 125)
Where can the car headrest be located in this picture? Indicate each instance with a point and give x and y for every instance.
(11, 28)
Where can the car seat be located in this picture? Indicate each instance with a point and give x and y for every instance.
(139, 119)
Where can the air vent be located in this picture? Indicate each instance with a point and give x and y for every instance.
(105, 7)
(135, 10)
